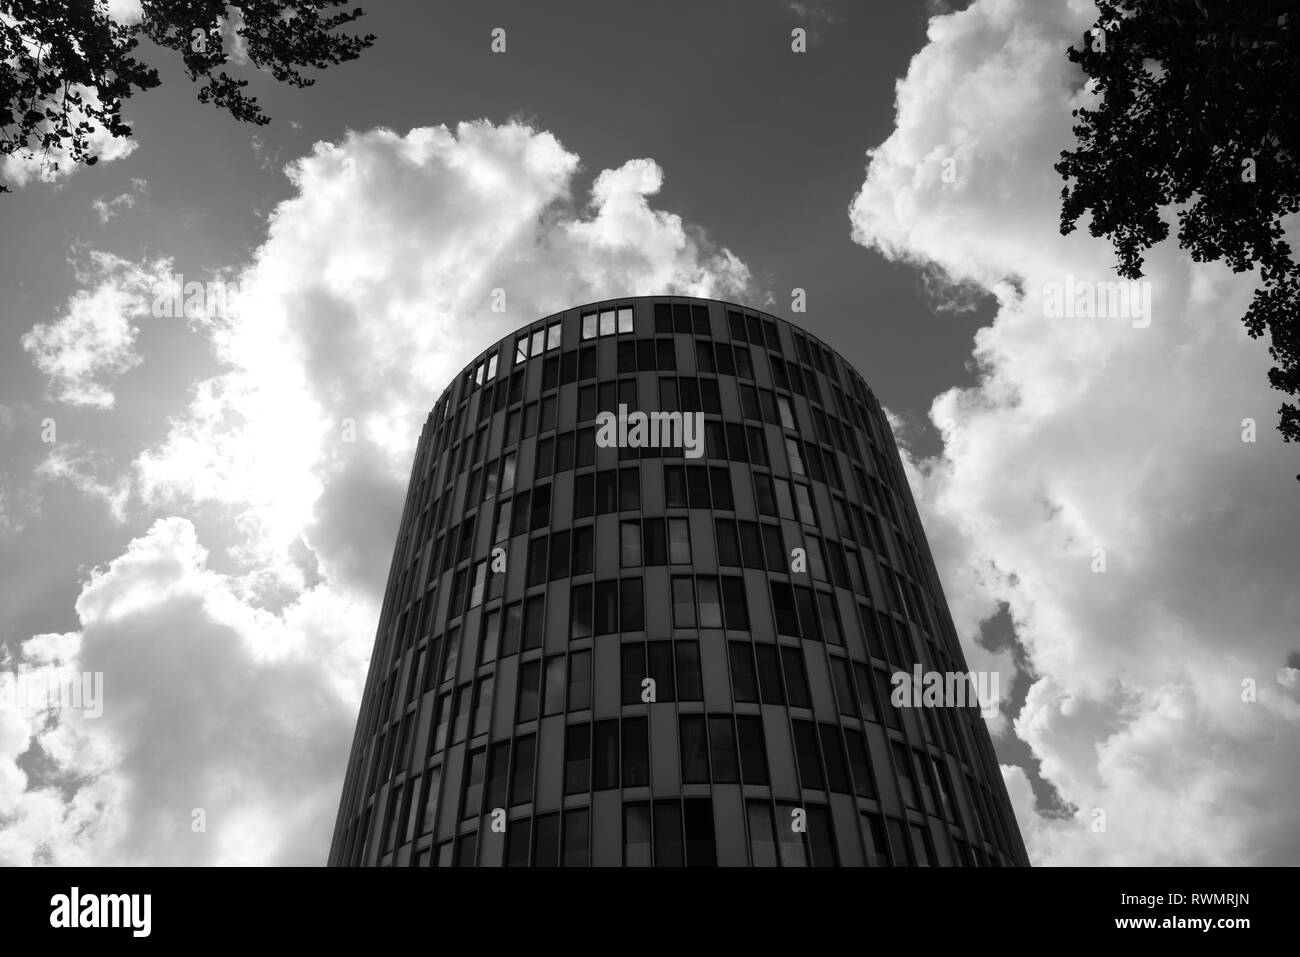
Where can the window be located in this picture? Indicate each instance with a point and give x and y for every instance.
(583, 549)
(821, 836)
(521, 777)
(668, 834)
(636, 753)
(607, 322)
(529, 676)
(605, 756)
(624, 319)
(589, 326)
(631, 605)
(630, 544)
(769, 674)
(466, 850)
(848, 701)
(753, 749)
(553, 336)
(498, 775)
(659, 660)
(606, 492)
(734, 604)
(728, 544)
(519, 843)
(683, 603)
(539, 339)
(764, 497)
(791, 842)
(762, 842)
(534, 623)
(546, 841)
(859, 763)
(701, 850)
(744, 683)
(580, 622)
(804, 500)
(491, 631)
(631, 671)
(783, 605)
(577, 758)
(710, 604)
(553, 694)
(784, 502)
(483, 705)
(674, 486)
(796, 679)
(579, 680)
(694, 749)
(636, 835)
(679, 541)
(473, 794)
(837, 771)
(513, 629)
(787, 416)
(430, 818)
(559, 556)
(577, 838)
(689, 683)
(629, 489)
(873, 840)
(722, 750)
(508, 472)
(606, 607)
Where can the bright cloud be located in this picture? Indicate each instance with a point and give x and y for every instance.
(1096, 443)
(236, 691)
(94, 340)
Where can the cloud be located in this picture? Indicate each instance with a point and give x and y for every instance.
(95, 338)
(106, 209)
(1088, 434)
(236, 691)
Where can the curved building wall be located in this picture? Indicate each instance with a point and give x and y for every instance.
(597, 649)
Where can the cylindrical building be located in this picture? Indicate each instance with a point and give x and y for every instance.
(609, 639)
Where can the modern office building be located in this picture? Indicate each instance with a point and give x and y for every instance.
(596, 650)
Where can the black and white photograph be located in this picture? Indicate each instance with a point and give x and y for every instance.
(719, 434)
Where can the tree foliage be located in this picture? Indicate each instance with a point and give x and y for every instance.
(1197, 110)
(67, 66)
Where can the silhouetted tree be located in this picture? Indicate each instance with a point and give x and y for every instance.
(66, 66)
(1198, 110)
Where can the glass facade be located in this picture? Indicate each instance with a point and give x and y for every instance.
(599, 653)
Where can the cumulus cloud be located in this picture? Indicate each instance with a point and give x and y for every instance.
(94, 340)
(236, 691)
(1096, 480)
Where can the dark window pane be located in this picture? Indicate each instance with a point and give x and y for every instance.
(521, 775)
(636, 835)
(722, 750)
(546, 841)
(660, 668)
(837, 772)
(744, 682)
(796, 679)
(689, 684)
(604, 766)
(668, 834)
(631, 605)
(821, 837)
(519, 842)
(580, 623)
(529, 677)
(579, 680)
(607, 607)
(577, 838)
(762, 842)
(805, 748)
(553, 689)
(694, 748)
(636, 753)
(631, 671)
(753, 749)
(701, 849)
(577, 758)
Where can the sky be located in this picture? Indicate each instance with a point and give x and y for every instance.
(180, 509)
